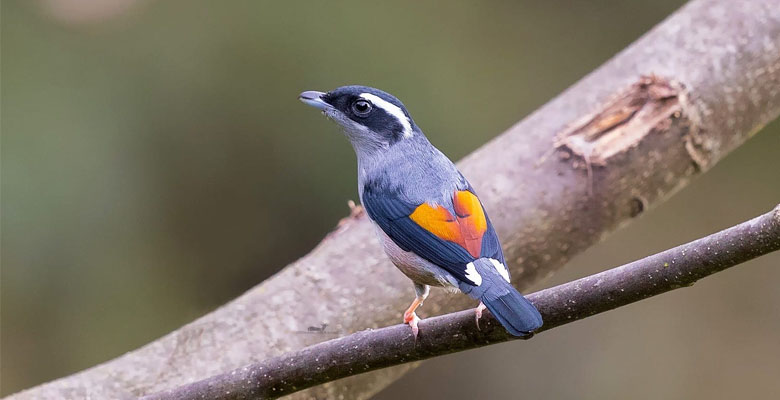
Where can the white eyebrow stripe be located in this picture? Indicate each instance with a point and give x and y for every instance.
(391, 109)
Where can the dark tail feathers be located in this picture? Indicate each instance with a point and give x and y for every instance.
(515, 312)
(510, 308)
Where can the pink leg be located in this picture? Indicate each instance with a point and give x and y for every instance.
(478, 312)
(411, 318)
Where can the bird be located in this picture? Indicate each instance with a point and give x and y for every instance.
(427, 216)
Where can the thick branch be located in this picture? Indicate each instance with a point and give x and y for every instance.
(374, 349)
(716, 72)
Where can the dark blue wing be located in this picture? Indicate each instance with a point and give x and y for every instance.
(391, 213)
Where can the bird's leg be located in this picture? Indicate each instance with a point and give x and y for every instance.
(410, 317)
(478, 312)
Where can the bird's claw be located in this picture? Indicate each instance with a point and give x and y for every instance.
(412, 319)
(478, 313)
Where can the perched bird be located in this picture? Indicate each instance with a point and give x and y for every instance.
(428, 217)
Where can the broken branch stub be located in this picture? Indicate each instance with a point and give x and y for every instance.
(624, 121)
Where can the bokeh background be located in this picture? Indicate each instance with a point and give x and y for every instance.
(156, 163)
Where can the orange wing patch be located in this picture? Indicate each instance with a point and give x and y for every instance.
(466, 228)
(472, 220)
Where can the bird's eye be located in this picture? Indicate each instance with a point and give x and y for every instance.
(361, 107)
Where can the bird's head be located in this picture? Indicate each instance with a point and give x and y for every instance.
(371, 119)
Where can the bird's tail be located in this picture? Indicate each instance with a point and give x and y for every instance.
(510, 308)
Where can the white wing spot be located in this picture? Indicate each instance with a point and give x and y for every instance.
(472, 274)
(391, 109)
(500, 268)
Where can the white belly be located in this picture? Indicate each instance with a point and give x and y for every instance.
(413, 266)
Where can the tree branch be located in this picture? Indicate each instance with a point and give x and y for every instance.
(374, 349)
(697, 86)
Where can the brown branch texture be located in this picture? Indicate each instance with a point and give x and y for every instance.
(374, 349)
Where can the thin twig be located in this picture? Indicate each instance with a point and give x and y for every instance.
(373, 349)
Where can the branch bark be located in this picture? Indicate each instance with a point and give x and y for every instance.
(373, 349)
(686, 94)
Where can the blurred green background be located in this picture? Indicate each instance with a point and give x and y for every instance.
(156, 163)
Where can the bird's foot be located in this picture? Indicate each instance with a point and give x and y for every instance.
(478, 313)
(412, 319)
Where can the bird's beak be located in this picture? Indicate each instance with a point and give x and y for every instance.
(314, 99)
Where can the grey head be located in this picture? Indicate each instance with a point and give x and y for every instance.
(392, 151)
(372, 120)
